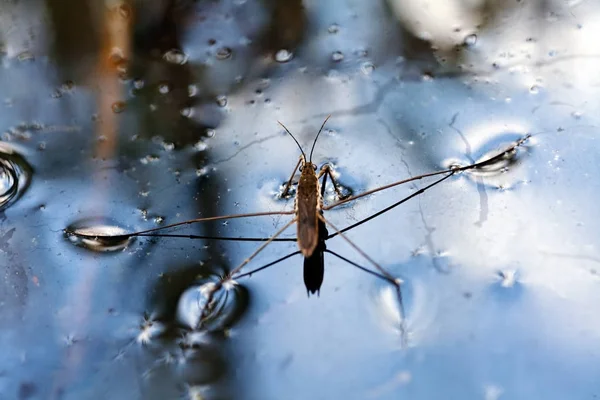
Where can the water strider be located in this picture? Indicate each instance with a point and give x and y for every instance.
(311, 222)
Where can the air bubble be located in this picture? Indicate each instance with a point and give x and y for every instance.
(367, 68)
(224, 53)
(175, 56)
(333, 28)
(470, 40)
(221, 100)
(337, 56)
(283, 56)
(118, 107)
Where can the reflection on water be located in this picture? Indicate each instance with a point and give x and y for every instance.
(160, 112)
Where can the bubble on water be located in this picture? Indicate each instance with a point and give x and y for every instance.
(367, 68)
(221, 100)
(187, 112)
(470, 40)
(98, 234)
(118, 107)
(333, 28)
(138, 84)
(210, 304)
(175, 56)
(192, 90)
(283, 56)
(211, 133)
(25, 56)
(15, 175)
(164, 88)
(337, 56)
(200, 145)
(535, 89)
(224, 53)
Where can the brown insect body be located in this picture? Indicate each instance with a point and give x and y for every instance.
(308, 206)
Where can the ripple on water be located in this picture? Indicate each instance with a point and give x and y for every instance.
(418, 305)
(496, 172)
(202, 362)
(210, 305)
(15, 175)
(98, 234)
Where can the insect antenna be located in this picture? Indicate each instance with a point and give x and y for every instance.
(290, 133)
(316, 137)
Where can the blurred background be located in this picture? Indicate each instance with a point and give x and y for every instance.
(119, 116)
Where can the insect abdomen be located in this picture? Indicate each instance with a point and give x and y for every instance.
(307, 207)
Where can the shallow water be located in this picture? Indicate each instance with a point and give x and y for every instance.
(499, 266)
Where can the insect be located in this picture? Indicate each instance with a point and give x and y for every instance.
(308, 214)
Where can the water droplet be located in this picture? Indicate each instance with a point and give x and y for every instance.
(175, 56)
(470, 40)
(333, 28)
(15, 175)
(224, 53)
(210, 304)
(367, 68)
(138, 84)
(25, 56)
(192, 90)
(164, 88)
(98, 234)
(337, 56)
(534, 89)
(577, 114)
(187, 112)
(118, 107)
(210, 133)
(221, 100)
(283, 56)
(200, 145)
(202, 171)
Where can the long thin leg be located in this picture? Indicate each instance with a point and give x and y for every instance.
(223, 238)
(267, 265)
(480, 164)
(260, 248)
(362, 253)
(188, 222)
(215, 288)
(326, 170)
(396, 204)
(289, 182)
(383, 274)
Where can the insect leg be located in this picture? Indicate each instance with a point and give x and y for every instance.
(362, 253)
(396, 204)
(188, 222)
(289, 182)
(234, 271)
(382, 273)
(326, 170)
(454, 170)
(255, 270)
